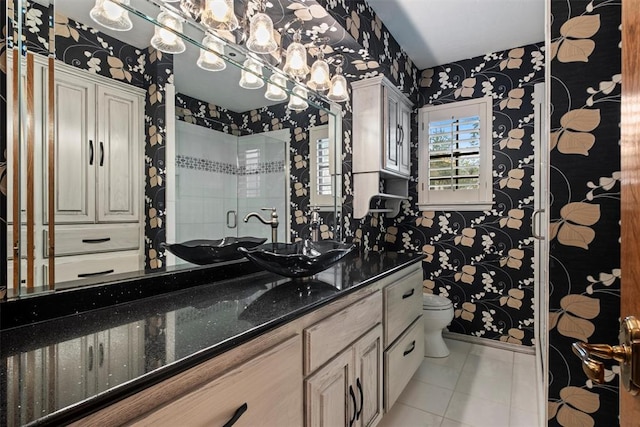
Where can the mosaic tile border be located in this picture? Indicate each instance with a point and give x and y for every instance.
(206, 165)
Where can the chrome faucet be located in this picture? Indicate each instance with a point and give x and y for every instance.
(273, 222)
(314, 223)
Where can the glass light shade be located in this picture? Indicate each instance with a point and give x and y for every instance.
(298, 99)
(219, 15)
(108, 14)
(296, 64)
(208, 60)
(165, 40)
(250, 80)
(319, 79)
(276, 93)
(338, 91)
(261, 35)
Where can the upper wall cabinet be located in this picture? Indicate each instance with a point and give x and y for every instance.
(98, 140)
(381, 128)
(381, 147)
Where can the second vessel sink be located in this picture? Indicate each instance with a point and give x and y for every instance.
(300, 259)
(204, 251)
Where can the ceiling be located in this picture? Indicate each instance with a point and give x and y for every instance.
(436, 32)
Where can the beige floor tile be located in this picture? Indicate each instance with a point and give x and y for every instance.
(492, 352)
(406, 416)
(433, 373)
(487, 366)
(427, 397)
(476, 411)
(520, 418)
(457, 345)
(495, 386)
(454, 360)
(453, 423)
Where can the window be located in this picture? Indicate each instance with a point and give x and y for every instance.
(455, 156)
(322, 168)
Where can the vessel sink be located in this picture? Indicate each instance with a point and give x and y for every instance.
(301, 259)
(204, 251)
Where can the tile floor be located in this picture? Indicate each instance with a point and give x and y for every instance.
(475, 386)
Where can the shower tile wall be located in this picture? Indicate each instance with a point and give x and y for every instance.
(205, 182)
(261, 183)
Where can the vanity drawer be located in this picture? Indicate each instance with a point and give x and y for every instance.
(86, 266)
(401, 361)
(402, 304)
(268, 388)
(92, 239)
(330, 336)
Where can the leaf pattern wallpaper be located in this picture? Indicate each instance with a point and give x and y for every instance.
(584, 288)
(481, 260)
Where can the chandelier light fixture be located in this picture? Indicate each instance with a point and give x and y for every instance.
(219, 15)
(298, 99)
(296, 60)
(164, 39)
(110, 15)
(339, 91)
(275, 91)
(320, 78)
(261, 38)
(251, 74)
(209, 58)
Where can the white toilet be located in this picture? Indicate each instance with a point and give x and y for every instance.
(437, 312)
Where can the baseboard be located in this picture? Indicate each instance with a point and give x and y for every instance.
(489, 343)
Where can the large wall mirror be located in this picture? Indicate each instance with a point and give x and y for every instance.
(117, 148)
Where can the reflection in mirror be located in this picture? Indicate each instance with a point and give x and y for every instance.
(139, 147)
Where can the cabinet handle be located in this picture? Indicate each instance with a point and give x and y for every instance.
(102, 240)
(101, 153)
(241, 410)
(353, 399)
(398, 135)
(232, 215)
(412, 347)
(90, 358)
(99, 273)
(408, 294)
(90, 152)
(101, 355)
(359, 384)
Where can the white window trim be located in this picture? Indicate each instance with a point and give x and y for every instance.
(460, 200)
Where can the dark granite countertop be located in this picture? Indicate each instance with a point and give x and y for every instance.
(118, 350)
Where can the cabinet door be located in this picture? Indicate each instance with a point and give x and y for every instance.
(75, 149)
(75, 370)
(118, 353)
(404, 143)
(330, 395)
(119, 139)
(368, 378)
(390, 160)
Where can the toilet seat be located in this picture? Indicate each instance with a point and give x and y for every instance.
(435, 302)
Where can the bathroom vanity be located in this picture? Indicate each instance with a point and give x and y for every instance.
(260, 349)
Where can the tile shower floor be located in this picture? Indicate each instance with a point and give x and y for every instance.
(475, 386)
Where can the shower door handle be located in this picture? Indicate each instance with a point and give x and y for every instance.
(232, 219)
(534, 228)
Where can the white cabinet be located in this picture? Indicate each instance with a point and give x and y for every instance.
(97, 362)
(381, 146)
(346, 390)
(403, 334)
(264, 391)
(98, 133)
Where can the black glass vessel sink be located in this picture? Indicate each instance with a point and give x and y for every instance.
(204, 251)
(300, 259)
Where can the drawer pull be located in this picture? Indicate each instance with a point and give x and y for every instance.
(359, 384)
(413, 347)
(90, 152)
(408, 294)
(101, 355)
(241, 410)
(102, 240)
(99, 273)
(355, 407)
(90, 358)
